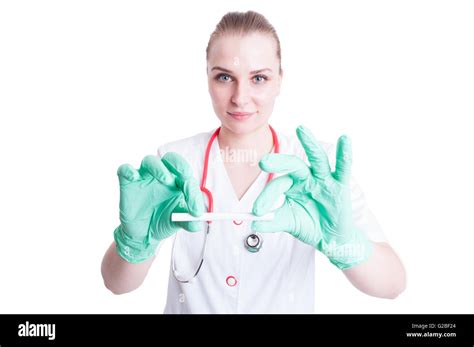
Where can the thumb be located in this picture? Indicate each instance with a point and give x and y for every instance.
(280, 222)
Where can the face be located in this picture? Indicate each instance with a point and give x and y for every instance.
(244, 80)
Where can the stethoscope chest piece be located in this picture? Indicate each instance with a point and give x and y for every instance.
(253, 243)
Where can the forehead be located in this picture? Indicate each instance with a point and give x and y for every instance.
(253, 51)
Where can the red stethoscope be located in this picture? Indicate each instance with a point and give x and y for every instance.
(253, 242)
(276, 149)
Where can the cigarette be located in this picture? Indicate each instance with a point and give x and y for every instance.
(186, 217)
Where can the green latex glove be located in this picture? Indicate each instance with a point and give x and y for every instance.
(317, 208)
(147, 199)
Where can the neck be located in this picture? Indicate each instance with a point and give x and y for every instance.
(260, 140)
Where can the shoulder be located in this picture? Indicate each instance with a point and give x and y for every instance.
(189, 146)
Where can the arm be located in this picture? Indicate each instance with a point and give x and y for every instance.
(318, 211)
(382, 275)
(148, 197)
(119, 275)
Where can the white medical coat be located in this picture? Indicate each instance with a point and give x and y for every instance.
(277, 279)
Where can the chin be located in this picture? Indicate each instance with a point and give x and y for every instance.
(242, 128)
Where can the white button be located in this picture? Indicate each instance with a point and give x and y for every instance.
(231, 281)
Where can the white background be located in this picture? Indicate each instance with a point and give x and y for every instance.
(88, 85)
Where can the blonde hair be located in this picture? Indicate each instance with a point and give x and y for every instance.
(244, 23)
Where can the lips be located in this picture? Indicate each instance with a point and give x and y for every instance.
(240, 115)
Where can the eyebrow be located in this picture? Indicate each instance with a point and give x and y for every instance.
(251, 72)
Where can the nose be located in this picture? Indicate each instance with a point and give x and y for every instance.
(241, 95)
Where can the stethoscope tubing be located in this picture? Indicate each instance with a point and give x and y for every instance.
(250, 243)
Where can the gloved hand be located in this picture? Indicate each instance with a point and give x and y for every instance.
(317, 208)
(147, 199)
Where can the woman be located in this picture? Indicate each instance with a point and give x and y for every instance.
(320, 209)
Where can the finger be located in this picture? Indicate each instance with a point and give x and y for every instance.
(316, 155)
(279, 223)
(177, 165)
(152, 165)
(270, 194)
(191, 226)
(343, 159)
(185, 180)
(286, 164)
(193, 197)
(126, 174)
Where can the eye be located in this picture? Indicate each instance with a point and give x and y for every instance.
(259, 79)
(223, 77)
